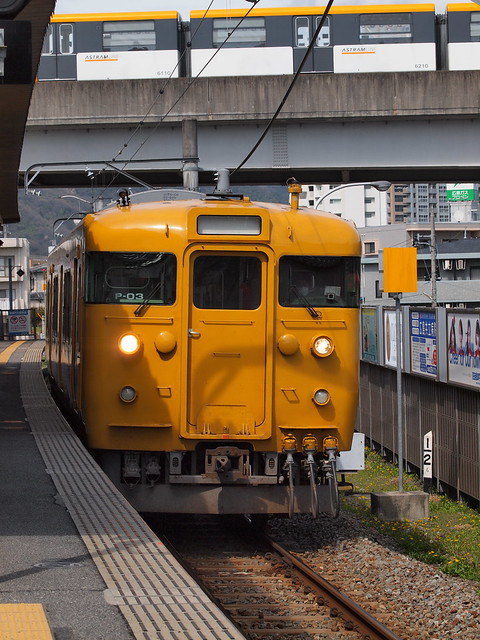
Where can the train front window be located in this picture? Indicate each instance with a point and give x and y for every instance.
(134, 35)
(130, 278)
(319, 281)
(227, 282)
(388, 28)
(247, 32)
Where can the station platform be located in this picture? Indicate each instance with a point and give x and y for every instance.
(77, 562)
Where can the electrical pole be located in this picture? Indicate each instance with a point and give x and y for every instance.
(433, 258)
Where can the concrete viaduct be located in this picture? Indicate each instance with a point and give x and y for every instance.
(401, 127)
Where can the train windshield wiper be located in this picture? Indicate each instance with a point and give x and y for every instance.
(304, 302)
(146, 303)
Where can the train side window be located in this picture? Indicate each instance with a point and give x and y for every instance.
(227, 282)
(323, 39)
(135, 35)
(67, 306)
(302, 32)
(130, 278)
(388, 28)
(319, 281)
(47, 49)
(55, 307)
(475, 26)
(250, 33)
(65, 39)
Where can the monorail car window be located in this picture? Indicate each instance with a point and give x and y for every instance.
(227, 282)
(65, 39)
(388, 28)
(319, 281)
(250, 33)
(302, 32)
(475, 26)
(323, 39)
(47, 49)
(136, 35)
(130, 278)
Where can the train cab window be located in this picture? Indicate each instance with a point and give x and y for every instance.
(134, 35)
(227, 282)
(319, 281)
(387, 28)
(130, 278)
(65, 39)
(249, 32)
(475, 26)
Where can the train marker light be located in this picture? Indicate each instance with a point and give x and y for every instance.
(321, 397)
(322, 346)
(288, 344)
(129, 343)
(128, 394)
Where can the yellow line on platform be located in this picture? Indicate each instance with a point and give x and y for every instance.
(6, 353)
(24, 622)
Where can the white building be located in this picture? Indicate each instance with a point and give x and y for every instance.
(364, 205)
(14, 274)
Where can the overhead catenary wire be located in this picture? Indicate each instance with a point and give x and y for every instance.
(290, 88)
(162, 89)
(193, 80)
(188, 87)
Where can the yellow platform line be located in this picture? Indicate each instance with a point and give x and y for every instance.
(6, 353)
(24, 622)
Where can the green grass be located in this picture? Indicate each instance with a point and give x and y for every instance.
(448, 538)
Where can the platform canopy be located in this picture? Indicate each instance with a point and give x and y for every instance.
(23, 24)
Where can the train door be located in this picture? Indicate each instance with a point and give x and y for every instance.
(321, 58)
(227, 377)
(59, 60)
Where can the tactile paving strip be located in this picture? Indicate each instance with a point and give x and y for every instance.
(26, 621)
(157, 597)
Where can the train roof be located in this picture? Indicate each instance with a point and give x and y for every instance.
(463, 6)
(101, 17)
(298, 11)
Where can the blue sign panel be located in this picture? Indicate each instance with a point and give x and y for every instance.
(423, 342)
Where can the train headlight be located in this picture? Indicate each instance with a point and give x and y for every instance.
(129, 343)
(128, 394)
(321, 397)
(322, 346)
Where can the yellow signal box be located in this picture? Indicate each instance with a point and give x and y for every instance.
(400, 270)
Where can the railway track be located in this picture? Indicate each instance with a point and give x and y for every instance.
(270, 593)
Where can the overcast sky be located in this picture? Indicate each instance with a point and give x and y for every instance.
(185, 6)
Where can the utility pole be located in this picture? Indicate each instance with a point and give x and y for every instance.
(433, 258)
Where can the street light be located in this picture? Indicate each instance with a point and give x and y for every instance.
(379, 185)
(20, 274)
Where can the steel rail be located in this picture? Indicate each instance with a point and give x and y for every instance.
(340, 604)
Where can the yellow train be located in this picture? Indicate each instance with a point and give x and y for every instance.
(209, 349)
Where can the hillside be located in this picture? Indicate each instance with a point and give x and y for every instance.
(39, 214)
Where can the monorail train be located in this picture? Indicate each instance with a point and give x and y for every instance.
(373, 38)
(209, 349)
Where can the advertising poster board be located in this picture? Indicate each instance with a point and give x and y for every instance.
(463, 335)
(423, 342)
(369, 335)
(390, 337)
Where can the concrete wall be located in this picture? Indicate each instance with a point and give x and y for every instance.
(315, 96)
